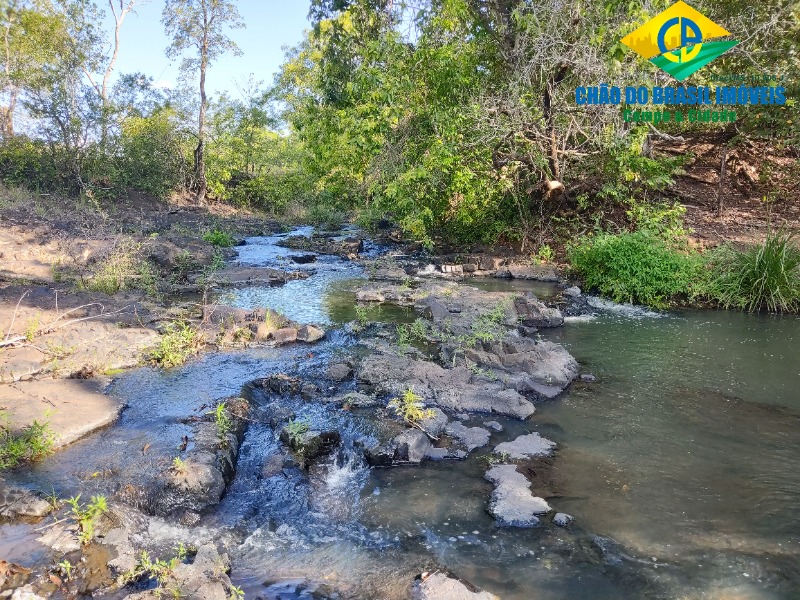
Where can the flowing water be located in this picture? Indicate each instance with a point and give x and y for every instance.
(679, 464)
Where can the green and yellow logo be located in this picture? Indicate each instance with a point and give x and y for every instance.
(675, 40)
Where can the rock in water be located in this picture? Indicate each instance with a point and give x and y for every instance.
(310, 334)
(470, 437)
(303, 259)
(435, 423)
(533, 313)
(438, 586)
(512, 504)
(18, 503)
(526, 446)
(447, 388)
(284, 335)
(338, 371)
(563, 519)
(311, 444)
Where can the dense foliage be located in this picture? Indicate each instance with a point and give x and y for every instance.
(636, 267)
(454, 118)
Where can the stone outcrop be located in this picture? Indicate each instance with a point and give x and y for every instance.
(527, 365)
(451, 389)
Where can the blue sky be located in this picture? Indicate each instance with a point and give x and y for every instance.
(271, 24)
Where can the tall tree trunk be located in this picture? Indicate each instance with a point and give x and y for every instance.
(199, 152)
(7, 123)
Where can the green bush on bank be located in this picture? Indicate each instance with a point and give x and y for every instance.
(759, 277)
(642, 267)
(635, 267)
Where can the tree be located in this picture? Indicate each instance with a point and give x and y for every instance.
(119, 9)
(200, 25)
(30, 35)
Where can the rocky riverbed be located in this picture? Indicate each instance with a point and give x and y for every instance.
(282, 466)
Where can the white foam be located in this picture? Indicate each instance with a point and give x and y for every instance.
(631, 311)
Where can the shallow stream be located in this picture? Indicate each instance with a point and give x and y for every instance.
(679, 464)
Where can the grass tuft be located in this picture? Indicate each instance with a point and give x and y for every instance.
(760, 277)
(32, 443)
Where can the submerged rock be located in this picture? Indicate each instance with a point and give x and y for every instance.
(339, 371)
(439, 586)
(237, 276)
(303, 259)
(512, 504)
(355, 400)
(470, 437)
(526, 446)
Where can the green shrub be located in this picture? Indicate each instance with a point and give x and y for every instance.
(220, 239)
(179, 342)
(31, 443)
(635, 267)
(26, 162)
(759, 277)
(410, 408)
(296, 429)
(154, 153)
(122, 267)
(325, 216)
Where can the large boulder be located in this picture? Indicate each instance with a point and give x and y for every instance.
(310, 334)
(284, 335)
(512, 504)
(542, 367)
